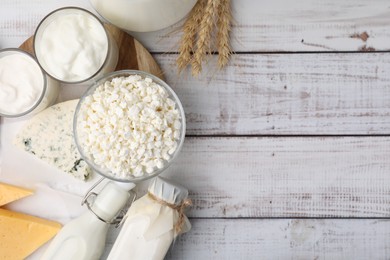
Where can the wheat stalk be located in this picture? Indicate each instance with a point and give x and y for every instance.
(204, 34)
(199, 27)
(223, 35)
(190, 28)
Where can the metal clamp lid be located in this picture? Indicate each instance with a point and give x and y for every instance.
(89, 199)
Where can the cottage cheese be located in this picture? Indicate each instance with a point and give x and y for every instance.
(129, 126)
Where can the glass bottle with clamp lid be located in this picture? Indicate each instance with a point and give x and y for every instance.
(84, 237)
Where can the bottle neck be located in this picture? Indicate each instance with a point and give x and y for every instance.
(109, 202)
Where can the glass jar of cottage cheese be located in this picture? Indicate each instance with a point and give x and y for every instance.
(129, 126)
(72, 46)
(24, 87)
(143, 15)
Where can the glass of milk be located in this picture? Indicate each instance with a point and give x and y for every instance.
(72, 46)
(24, 86)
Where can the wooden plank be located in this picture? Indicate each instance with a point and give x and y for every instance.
(19, 19)
(286, 176)
(280, 239)
(303, 25)
(287, 94)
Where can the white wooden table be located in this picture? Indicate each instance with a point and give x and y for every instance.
(288, 149)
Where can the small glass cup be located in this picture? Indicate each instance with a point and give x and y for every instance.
(10, 95)
(106, 172)
(75, 28)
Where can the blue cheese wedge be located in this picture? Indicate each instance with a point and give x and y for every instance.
(49, 136)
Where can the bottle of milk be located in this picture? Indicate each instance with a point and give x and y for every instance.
(84, 237)
(152, 223)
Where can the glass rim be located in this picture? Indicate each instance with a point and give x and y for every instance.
(44, 88)
(105, 172)
(94, 17)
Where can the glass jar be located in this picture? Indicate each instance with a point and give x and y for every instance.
(24, 86)
(72, 45)
(78, 121)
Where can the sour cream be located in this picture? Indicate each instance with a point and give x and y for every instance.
(72, 45)
(23, 86)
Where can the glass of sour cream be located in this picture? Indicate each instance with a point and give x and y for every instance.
(24, 86)
(72, 46)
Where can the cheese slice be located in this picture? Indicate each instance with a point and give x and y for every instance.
(9, 193)
(21, 234)
(49, 136)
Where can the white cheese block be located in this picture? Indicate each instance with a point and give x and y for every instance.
(49, 136)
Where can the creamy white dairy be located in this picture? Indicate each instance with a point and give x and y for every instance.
(143, 15)
(130, 126)
(84, 237)
(140, 248)
(72, 45)
(21, 83)
(150, 226)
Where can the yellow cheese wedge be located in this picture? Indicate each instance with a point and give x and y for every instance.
(9, 193)
(22, 234)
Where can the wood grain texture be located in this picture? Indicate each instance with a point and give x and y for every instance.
(132, 55)
(302, 25)
(239, 185)
(285, 176)
(287, 94)
(280, 239)
(18, 19)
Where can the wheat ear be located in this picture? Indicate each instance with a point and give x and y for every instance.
(223, 35)
(190, 28)
(205, 31)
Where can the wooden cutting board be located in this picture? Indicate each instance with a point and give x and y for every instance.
(132, 54)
